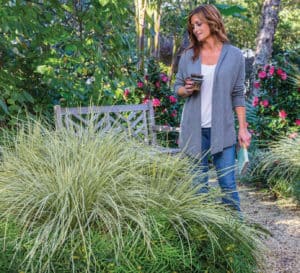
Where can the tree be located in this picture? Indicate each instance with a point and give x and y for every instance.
(265, 38)
(140, 21)
(69, 53)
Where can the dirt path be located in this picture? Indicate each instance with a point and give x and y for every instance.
(282, 219)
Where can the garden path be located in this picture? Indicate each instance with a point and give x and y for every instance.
(282, 219)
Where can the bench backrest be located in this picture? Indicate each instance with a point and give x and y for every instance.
(136, 120)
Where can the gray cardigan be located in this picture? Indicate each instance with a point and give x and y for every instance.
(228, 92)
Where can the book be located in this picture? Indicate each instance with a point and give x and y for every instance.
(243, 160)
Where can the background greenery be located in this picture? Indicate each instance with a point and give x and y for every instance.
(86, 52)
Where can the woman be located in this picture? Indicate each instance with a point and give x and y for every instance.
(207, 123)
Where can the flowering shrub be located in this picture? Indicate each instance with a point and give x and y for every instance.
(155, 86)
(276, 104)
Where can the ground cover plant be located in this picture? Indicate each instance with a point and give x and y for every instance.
(71, 203)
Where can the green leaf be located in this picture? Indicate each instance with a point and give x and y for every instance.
(70, 49)
(67, 8)
(28, 97)
(4, 106)
(104, 2)
(228, 10)
(44, 69)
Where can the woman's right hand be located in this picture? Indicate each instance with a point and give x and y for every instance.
(188, 87)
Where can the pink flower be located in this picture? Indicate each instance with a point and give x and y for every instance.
(174, 113)
(157, 84)
(264, 103)
(140, 84)
(126, 92)
(256, 85)
(279, 71)
(145, 101)
(297, 122)
(164, 110)
(172, 99)
(164, 77)
(255, 101)
(262, 74)
(293, 135)
(156, 102)
(282, 114)
(283, 76)
(271, 70)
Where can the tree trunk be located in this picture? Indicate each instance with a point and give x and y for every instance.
(140, 14)
(157, 16)
(265, 38)
(179, 45)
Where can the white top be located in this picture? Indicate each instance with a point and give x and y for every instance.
(208, 72)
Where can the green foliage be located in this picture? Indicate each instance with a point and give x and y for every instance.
(85, 204)
(85, 52)
(275, 108)
(288, 29)
(279, 167)
(53, 52)
(242, 29)
(155, 86)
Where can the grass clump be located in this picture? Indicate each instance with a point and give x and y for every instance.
(280, 167)
(110, 204)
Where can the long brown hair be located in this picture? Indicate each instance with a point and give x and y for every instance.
(214, 20)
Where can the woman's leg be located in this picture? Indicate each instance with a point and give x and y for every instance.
(225, 167)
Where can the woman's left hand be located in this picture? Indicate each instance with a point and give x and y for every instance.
(244, 137)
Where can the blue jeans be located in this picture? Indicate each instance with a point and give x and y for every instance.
(224, 163)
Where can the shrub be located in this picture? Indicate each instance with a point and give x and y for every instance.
(64, 56)
(275, 107)
(94, 204)
(155, 86)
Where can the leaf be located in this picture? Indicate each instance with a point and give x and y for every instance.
(104, 2)
(44, 69)
(4, 106)
(67, 8)
(28, 97)
(228, 10)
(70, 49)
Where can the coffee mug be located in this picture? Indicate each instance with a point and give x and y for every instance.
(197, 81)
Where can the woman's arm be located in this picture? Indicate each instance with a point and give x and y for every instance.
(244, 136)
(238, 99)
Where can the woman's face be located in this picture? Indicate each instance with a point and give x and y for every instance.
(201, 29)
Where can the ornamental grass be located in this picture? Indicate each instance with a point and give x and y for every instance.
(107, 203)
(280, 165)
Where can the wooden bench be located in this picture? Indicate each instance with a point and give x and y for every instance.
(135, 119)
